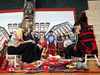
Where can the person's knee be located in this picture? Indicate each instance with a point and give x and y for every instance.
(30, 44)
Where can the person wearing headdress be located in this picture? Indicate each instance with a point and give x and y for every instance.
(51, 46)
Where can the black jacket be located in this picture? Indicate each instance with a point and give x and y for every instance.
(29, 36)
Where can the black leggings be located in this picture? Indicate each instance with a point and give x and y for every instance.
(26, 49)
(70, 51)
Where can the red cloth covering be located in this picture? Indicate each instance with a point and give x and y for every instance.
(44, 44)
(3, 63)
(53, 51)
(30, 66)
(50, 64)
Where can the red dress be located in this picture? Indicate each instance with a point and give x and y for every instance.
(44, 44)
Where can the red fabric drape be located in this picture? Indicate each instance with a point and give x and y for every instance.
(53, 51)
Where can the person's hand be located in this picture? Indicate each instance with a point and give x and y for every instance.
(73, 42)
(32, 41)
(50, 42)
(40, 47)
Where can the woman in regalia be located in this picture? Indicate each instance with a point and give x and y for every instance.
(85, 41)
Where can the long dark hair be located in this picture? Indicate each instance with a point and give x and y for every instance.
(73, 30)
(67, 36)
(31, 30)
(79, 22)
(59, 38)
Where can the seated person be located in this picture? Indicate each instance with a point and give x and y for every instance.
(32, 36)
(38, 36)
(17, 44)
(43, 43)
(44, 36)
(72, 38)
(66, 34)
(85, 41)
(63, 36)
(67, 42)
(75, 34)
(37, 48)
(59, 39)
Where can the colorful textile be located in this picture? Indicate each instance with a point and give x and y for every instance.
(3, 63)
(16, 38)
(51, 51)
(72, 39)
(51, 46)
(44, 44)
(86, 41)
(51, 38)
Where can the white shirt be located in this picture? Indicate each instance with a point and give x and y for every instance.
(67, 42)
(32, 36)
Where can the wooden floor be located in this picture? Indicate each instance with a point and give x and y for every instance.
(51, 74)
(91, 65)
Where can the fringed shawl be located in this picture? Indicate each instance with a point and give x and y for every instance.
(86, 41)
